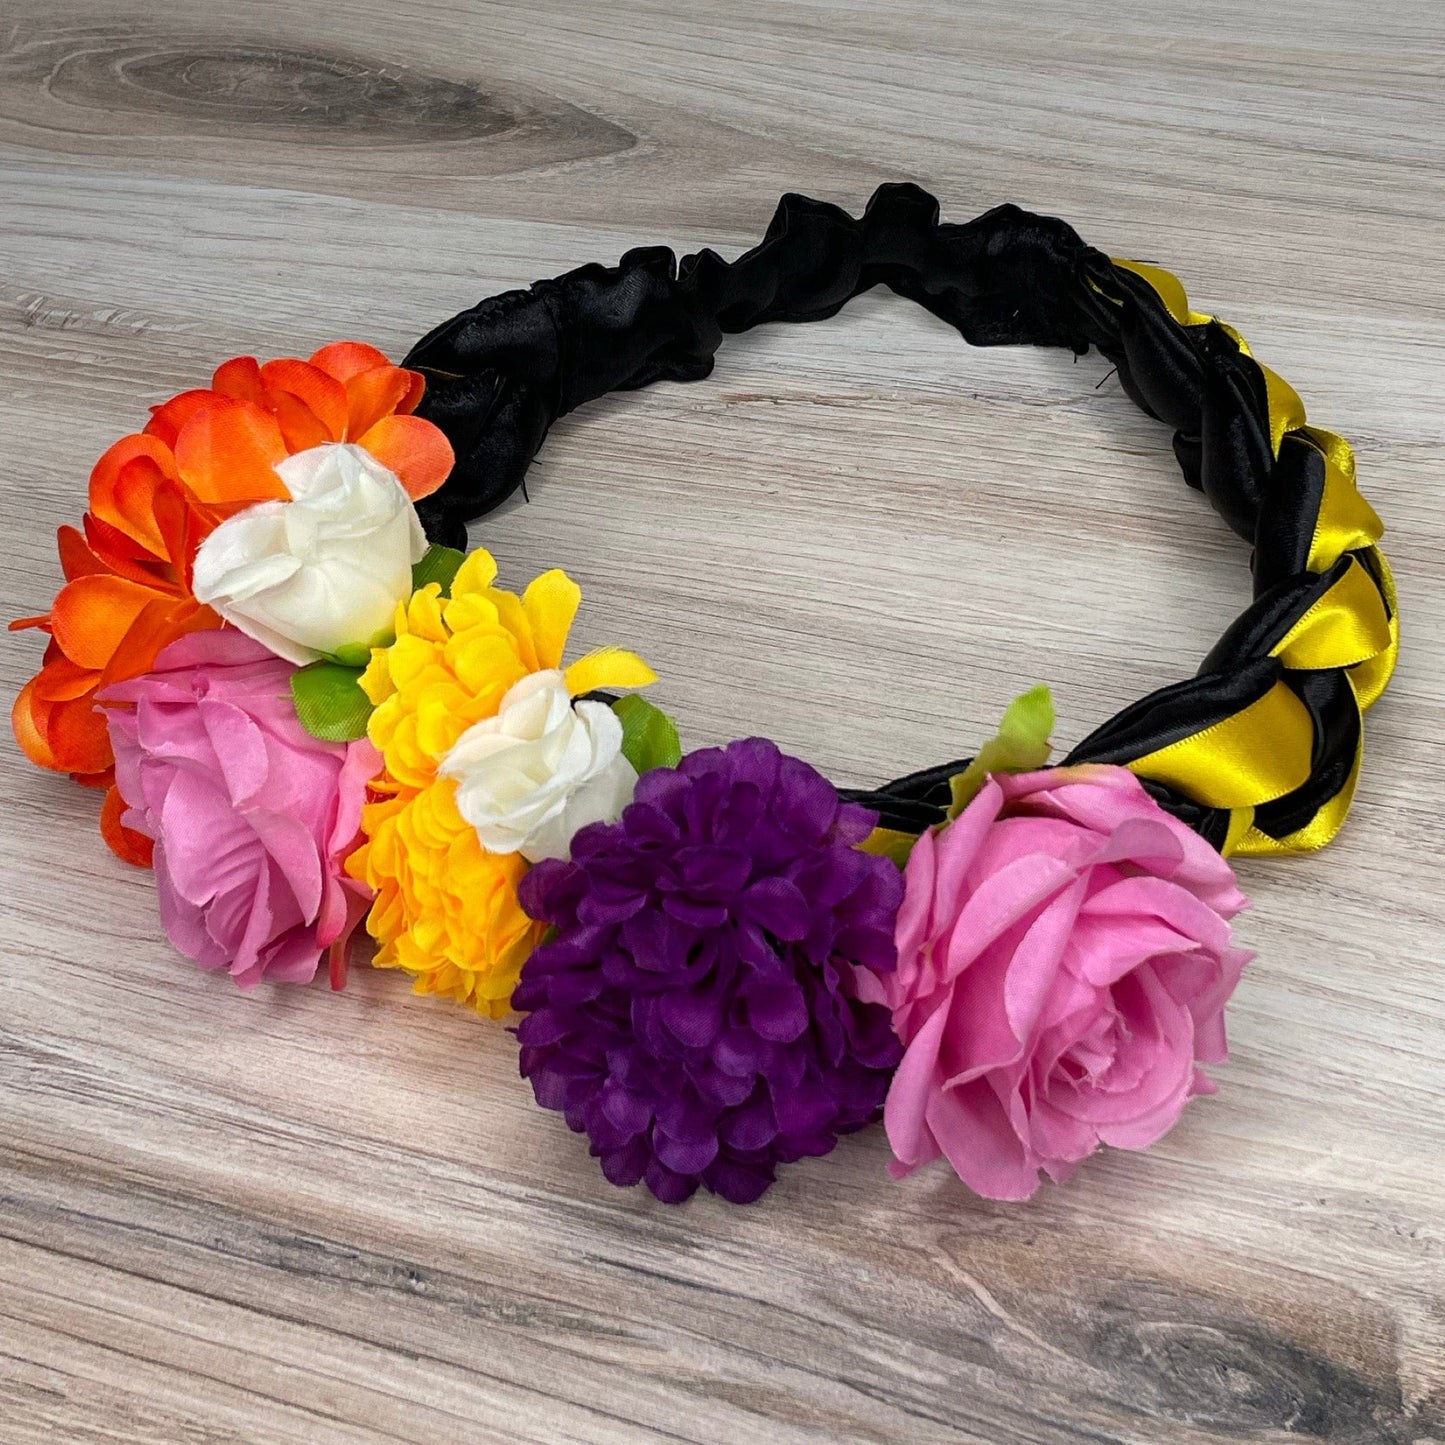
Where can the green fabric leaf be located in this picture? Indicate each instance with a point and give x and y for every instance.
(330, 703)
(1020, 745)
(352, 654)
(440, 564)
(890, 843)
(649, 736)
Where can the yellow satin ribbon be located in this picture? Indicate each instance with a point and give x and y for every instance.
(1261, 753)
(1346, 522)
(1266, 750)
(1349, 625)
(1371, 677)
(1286, 410)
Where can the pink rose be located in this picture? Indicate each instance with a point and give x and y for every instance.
(1063, 963)
(251, 815)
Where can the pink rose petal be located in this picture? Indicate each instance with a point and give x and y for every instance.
(238, 747)
(975, 1136)
(1033, 969)
(1163, 899)
(998, 903)
(913, 1084)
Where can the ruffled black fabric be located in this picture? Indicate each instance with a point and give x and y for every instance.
(501, 373)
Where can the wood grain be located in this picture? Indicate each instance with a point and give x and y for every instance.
(302, 1217)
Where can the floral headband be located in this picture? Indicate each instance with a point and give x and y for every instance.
(308, 707)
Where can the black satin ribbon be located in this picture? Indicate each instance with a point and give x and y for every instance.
(501, 373)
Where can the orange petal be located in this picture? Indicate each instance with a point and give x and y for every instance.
(415, 390)
(61, 680)
(373, 394)
(123, 481)
(300, 427)
(127, 845)
(76, 558)
(415, 450)
(28, 718)
(344, 359)
(227, 452)
(240, 377)
(77, 736)
(167, 420)
(119, 555)
(93, 614)
(157, 626)
(105, 779)
(184, 526)
(135, 489)
(83, 748)
(317, 390)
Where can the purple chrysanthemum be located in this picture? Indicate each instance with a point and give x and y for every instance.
(695, 1014)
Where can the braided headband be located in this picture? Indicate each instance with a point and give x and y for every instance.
(308, 706)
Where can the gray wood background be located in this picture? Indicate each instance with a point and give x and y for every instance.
(299, 1217)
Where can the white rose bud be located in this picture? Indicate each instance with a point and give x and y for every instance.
(321, 571)
(543, 767)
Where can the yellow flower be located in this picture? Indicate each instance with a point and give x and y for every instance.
(446, 910)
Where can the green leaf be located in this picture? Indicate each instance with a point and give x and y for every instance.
(890, 843)
(352, 654)
(330, 703)
(1020, 745)
(440, 564)
(649, 736)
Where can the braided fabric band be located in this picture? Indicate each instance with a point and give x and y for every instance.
(1260, 751)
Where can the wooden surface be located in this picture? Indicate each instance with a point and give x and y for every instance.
(298, 1217)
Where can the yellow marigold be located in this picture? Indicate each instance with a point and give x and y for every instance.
(446, 910)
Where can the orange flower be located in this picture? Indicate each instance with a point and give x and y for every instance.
(154, 497)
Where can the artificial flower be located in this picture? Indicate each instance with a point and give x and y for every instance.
(1064, 959)
(696, 1012)
(544, 767)
(154, 497)
(126, 595)
(322, 571)
(250, 815)
(446, 908)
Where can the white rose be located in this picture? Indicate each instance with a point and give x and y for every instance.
(323, 570)
(544, 767)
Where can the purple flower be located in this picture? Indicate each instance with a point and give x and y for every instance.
(695, 1013)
